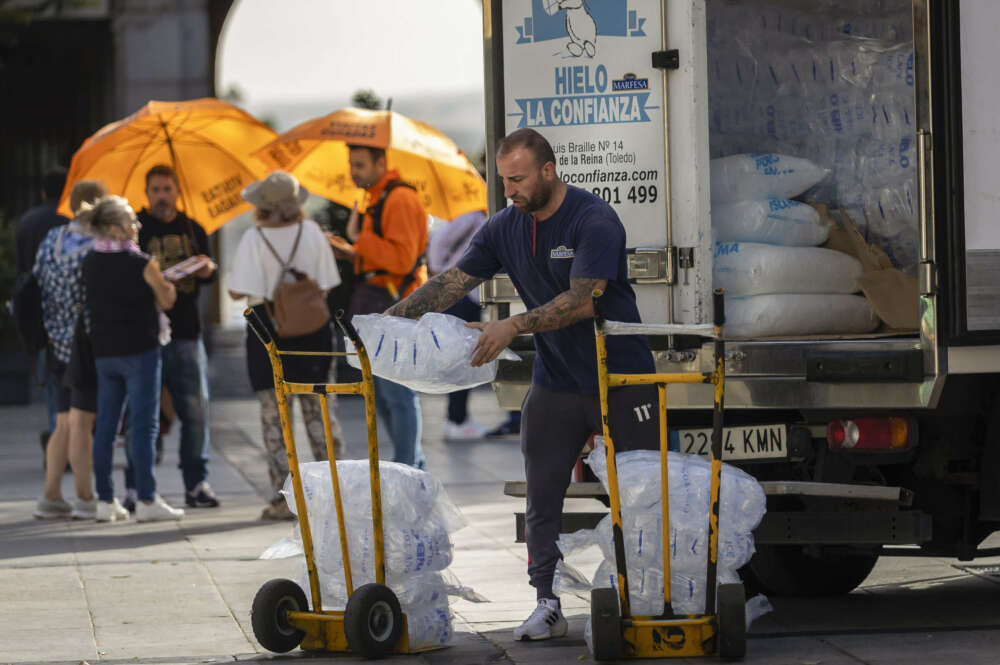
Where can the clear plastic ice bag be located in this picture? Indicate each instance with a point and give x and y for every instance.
(775, 222)
(431, 355)
(751, 177)
(687, 591)
(418, 518)
(422, 598)
(643, 543)
(750, 269)
(407, 494)
(784, 314)
(741, 496)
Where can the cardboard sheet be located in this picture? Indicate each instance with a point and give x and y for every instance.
(891, 292)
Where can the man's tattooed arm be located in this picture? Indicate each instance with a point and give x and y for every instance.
(565, 309)
(438, 294)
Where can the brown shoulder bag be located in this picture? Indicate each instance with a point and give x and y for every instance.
(299, 307)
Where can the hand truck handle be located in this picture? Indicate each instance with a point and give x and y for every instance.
(598, 307)
(345, 325)
(257, 326)
(718, 304)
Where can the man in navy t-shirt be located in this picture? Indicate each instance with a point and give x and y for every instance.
(558, 244)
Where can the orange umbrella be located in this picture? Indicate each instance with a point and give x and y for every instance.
(316, 152)
(207, 141)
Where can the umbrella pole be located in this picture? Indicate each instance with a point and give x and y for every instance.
(175, 165)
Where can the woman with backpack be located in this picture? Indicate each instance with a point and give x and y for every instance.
(284, 267)
(59, 271)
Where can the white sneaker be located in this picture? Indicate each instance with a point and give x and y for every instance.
(156, 511)
(470, 430)
(51, 510)
(547, 621)
(84, 510)
(110, 511)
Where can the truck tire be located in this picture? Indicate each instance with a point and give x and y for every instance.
(787, 570)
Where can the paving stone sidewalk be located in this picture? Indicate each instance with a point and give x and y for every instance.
(181, 593)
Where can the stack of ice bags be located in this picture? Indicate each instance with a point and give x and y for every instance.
(776, 279)
(430, 355)
(418, 520)
(742, 505)
(831, 81)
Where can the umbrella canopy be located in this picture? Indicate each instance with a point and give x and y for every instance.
(316, 152)
(207, 141)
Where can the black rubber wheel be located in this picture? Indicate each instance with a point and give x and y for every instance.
(373, 621)
(732, 604)
(268, 615)
(605, 624)
(788, 570)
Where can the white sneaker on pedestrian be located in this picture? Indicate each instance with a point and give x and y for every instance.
(156, 510)
(46, 509)
(547, 621)
(110, 511)
(84, 510)
(470, 430)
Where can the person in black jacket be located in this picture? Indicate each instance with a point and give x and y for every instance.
(170, 237)
(36, 223)
(32, 228)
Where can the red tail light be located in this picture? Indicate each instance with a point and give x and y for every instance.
(870, 434)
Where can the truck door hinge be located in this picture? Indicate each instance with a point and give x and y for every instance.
(927, 278)
(670, 59)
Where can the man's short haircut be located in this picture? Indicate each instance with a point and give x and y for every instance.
(53, 183)
(531, 141)
(162, 170)
(86, 191)
(372, 150)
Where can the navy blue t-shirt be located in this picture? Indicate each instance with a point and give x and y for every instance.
(583, 239)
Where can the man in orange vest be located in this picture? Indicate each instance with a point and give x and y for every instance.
(388, 255)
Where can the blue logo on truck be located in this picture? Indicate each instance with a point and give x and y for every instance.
(581, 22)
(630, 82)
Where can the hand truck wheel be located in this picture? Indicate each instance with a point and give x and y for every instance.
(269, 615)
(732, 622)
(605, 624)
(373, 621)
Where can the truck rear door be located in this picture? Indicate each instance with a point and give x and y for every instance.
(589, 76)
(967, 135)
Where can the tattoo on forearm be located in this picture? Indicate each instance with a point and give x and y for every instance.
(565, 309)
(438, 294)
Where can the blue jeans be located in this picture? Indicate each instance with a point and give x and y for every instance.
(185, 374)
(51, 389)
(399, 409)
(138, 378)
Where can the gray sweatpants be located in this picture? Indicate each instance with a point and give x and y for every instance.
(554, 428)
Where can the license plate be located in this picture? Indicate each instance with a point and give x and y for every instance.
(750, 442)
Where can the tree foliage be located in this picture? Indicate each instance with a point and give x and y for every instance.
(366, 99)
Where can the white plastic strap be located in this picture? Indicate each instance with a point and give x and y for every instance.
(623, 328)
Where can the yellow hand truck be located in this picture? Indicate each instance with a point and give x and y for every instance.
(372, 624)
(722, 628)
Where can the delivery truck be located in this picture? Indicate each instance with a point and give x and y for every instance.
(868, 411)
